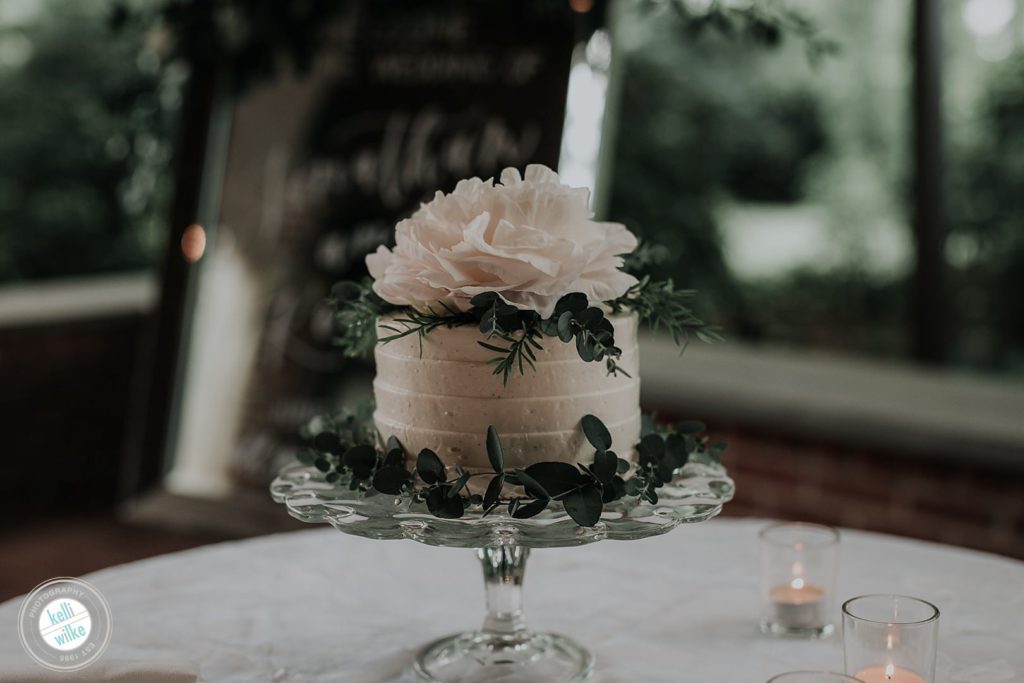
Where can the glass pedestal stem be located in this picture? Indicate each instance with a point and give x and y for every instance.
(503, 649)
(504, 568)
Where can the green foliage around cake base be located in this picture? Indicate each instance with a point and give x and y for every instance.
(348, 452)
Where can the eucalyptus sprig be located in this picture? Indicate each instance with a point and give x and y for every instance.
(342, 454)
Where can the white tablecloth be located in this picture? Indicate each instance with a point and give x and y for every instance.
(322, 606)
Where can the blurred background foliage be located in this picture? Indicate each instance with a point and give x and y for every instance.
(782, 183)
(778, 177)
(87, 116)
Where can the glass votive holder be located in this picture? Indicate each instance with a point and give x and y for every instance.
(798, 576)
(812, 677)
(890, 639)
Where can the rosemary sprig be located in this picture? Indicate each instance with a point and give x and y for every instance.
(421, 323)
(520, 350)
(356, 310)
(661, 306)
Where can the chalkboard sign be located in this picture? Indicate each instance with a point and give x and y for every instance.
(407, 98)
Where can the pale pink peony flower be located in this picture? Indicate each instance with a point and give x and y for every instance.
(530, 238)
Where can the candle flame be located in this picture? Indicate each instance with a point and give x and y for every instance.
(797, 583)
(890, 671)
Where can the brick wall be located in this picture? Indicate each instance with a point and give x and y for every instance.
(63, 405)
(960, 503)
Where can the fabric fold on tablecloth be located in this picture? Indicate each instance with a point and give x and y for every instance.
(103, 671)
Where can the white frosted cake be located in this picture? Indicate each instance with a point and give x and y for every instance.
(446, 398)
(508, 257)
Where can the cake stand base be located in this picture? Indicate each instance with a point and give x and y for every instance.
(487, 657)
(503, 649)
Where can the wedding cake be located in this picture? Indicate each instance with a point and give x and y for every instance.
(504, 327)
(529, 240)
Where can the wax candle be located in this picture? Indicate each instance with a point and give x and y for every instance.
(798, 605)
(887, 674)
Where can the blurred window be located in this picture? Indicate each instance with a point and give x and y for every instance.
(85, 120)
(783, 184)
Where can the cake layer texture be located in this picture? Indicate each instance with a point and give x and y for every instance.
(443, 396)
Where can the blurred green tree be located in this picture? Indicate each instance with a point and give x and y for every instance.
(986, 240)
(86, 117)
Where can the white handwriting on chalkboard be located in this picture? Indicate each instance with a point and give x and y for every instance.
(400, 157)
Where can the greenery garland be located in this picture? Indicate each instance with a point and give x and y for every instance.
(347, 451)
(514, 334)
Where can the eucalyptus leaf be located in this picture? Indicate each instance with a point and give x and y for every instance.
(595, 431)
(361, 460)
(530, 509)
(494, 450)
(632, 487)
(429, 467)
(306, 456)
(666, 468)
(549, 327)
(584, 349)
(532, 486)
(574, 302)
(493, 492)
(564, 326)
(459, 484)
(605, 464)
(322, 464)
(391, 480)
(622, 466)
(555, 478)
(328, 442)
(676, 449)
(440, 504)
(484, 300)
(651, 450)
(584, 505)
(395, 458)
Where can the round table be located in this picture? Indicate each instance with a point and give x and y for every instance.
(322, 606)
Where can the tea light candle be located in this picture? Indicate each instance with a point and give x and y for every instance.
(798, 605)
(798, 573)
(887, 674)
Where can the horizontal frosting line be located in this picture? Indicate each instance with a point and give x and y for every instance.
(629, 384)
(421, 359)
(511, 435)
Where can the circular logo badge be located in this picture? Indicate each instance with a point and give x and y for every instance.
(64, 624)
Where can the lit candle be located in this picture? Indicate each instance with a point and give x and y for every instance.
(798, 605)
(887, 674)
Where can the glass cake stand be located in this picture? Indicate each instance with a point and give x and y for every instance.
(503, 649)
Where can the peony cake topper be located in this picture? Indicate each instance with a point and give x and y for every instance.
(528, 238)
(523, 260)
